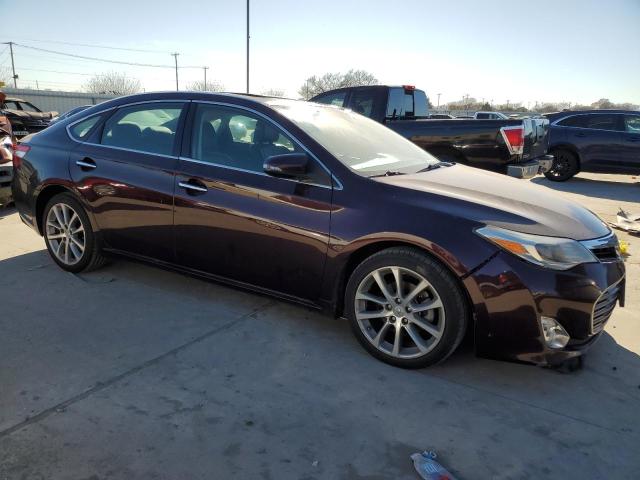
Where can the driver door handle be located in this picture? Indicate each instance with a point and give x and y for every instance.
(193, 186)
(86, 164)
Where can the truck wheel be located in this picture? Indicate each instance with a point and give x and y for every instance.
(71, 241)
(565, 166)
(405, 308)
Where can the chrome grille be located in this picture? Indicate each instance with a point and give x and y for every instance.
(603, 308)
(605, 249)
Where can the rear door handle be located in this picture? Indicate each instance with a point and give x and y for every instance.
(193, 186)
(86, 164)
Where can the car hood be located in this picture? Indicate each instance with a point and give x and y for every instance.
(495, 199)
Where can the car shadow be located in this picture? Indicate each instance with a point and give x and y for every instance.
(603, 188)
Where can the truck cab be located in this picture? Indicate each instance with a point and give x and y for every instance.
(380, 102)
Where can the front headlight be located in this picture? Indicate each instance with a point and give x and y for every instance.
(550, 252)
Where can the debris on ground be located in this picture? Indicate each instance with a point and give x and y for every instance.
(629, 222)
(427, 467)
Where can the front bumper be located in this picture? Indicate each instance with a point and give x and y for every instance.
(509, 296)
(531, 168)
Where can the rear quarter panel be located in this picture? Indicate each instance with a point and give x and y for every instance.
(45, 164)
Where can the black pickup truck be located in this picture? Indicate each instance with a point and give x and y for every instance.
(515, 147)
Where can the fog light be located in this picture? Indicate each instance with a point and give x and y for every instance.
(554, 334)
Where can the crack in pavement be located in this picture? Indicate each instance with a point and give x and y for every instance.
(99, 386)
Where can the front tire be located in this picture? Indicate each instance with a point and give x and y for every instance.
(405, 308)
(71, 241)
(565, 166)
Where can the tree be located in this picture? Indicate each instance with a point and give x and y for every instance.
(5, 76)
(113, 83)
(273, 92)
(329, 81)
(211, 86)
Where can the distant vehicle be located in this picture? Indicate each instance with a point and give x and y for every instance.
(25, 117)
(490, 116)
(71, 112)
(605, 141)
(325, 207)
(515, 147)
(441, 116)
(6, 157)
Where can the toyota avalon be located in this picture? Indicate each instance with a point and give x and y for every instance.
(319, 205)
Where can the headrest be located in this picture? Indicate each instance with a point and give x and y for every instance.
(265, 133)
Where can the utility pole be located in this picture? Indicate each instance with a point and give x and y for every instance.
(438, 100)
(13, 67)
(175, 56)
(248, 36)
(205, 77)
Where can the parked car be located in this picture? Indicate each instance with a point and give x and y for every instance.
(25, 117)
(515, 147)
(73, 111)
(440, 116)
(328, 208)
(605, 141)
(490, 116)
(6, 155)
(6, 165)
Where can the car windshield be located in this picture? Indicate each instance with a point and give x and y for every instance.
(363, 145)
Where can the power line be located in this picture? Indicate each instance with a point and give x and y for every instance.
(89, 45)
(69, 73)
(96, 59)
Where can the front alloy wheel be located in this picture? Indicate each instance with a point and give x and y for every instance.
(406, 308)
(399, 312)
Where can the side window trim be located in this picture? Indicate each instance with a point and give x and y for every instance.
(616, 115)
(334, 182)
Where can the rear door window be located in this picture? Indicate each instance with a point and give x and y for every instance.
(596, 121)
(147, 128)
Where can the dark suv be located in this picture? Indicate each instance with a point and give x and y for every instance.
(605, 141)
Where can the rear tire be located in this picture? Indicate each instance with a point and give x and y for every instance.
(67, 231)
(419, 315)
(565, 166)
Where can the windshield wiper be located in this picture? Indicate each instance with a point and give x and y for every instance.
(433, 166)
(388, 173)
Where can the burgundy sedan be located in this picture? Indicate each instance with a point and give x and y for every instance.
(322, 206)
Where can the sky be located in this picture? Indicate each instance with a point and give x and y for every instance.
(522, 51)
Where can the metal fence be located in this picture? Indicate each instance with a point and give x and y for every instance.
(61, 102)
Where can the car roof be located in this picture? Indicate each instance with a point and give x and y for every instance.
(14, 99)
(582, 112)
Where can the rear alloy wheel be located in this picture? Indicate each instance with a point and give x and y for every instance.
(565, 166)
(67, 232)
(406, 309)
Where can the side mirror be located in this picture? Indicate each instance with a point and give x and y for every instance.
(287, 165)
